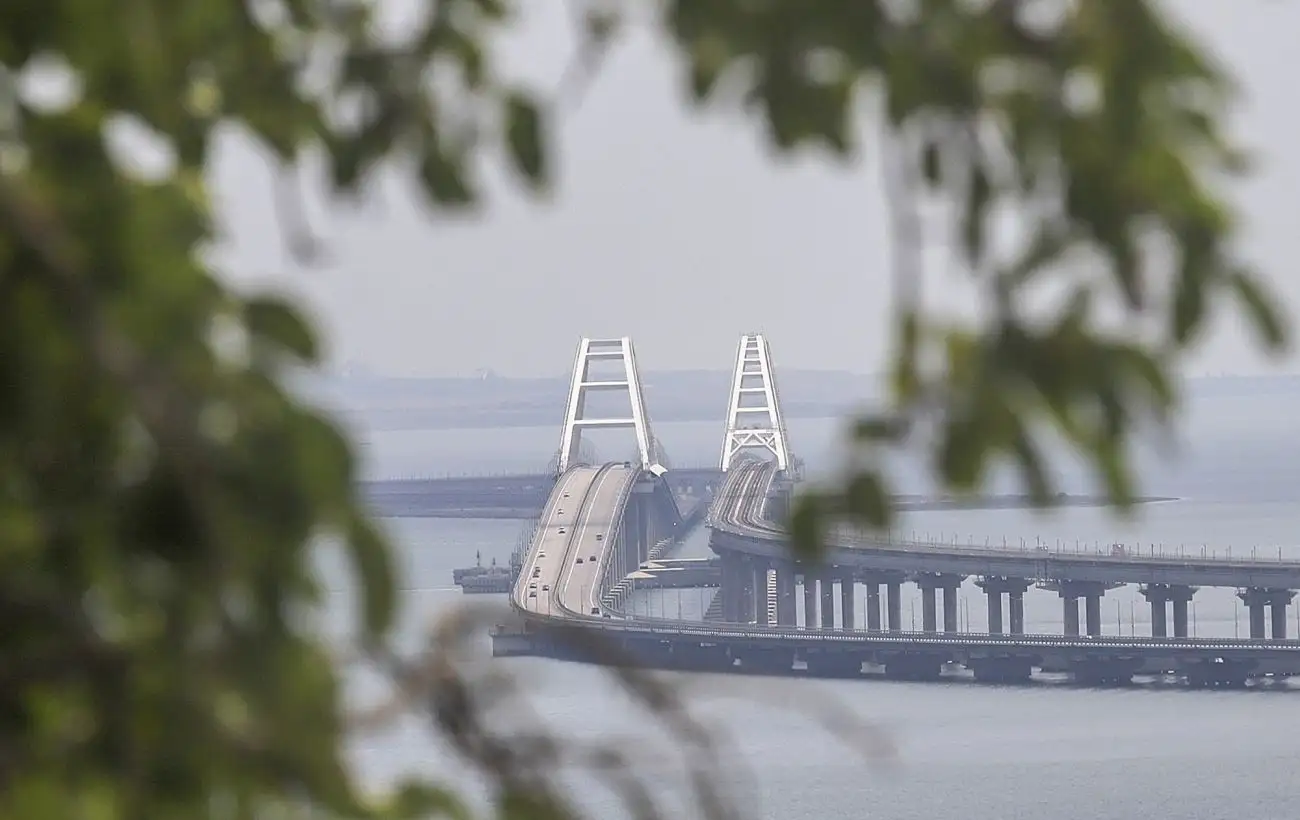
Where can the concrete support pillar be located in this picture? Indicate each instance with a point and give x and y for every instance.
(1180, 597)
(1091, 592)
(929, 610)
(1092, 615)
(995, 610)
(786, 605)
(648, 531)
(1071, 605)
(761, 599)
(826, 583)
(873, 605)
(894, 594)
(847, 599)
(1277, 607)
(809, 600)
(1277, 600)
(1158, 596)
(950, 609)
(1016, 603)
(749, 596)
(995, 587)
(728, 589)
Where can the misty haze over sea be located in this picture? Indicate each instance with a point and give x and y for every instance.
(966, 751)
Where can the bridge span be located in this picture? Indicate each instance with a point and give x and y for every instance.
(601, 523)
(749, 542)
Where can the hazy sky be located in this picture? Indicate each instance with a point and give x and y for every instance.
(680, 231)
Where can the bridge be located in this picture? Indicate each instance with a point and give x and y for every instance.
(602, 526)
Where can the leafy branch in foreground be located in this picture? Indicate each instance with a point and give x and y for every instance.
(162, 492)
(1072, 147)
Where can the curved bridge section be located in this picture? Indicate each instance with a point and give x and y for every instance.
(598, 525)
(741, 529)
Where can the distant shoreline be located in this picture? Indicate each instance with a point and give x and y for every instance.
(916, 503)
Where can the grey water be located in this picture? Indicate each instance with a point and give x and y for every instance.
(959, 750)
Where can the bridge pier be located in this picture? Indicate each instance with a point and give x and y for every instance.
(929, 609)
(826, 586)
(737, 588)
(1001, 669)
(1091, 592)
(873, 605)
(758, 569)
(1159, 595)
(930, 583)
(809, 599)
(833, 664)
(766, 661)
(786, 606)
(848, 600)
(894, 604)
(994, 587)
(1256, 599)
(911, 666)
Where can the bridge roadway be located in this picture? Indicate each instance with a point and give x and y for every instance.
(561, 574)
(741, 527)
(562, 584)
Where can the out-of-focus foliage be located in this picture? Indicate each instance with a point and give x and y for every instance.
(1075, 147)
(161, 490)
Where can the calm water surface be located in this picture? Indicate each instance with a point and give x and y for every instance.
(963, 751)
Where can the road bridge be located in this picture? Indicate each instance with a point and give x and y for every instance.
(601, 523)
(749, 542)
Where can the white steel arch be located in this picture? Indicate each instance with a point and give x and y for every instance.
(583, 385)
(754, 420)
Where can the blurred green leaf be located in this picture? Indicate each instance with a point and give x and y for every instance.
(1261, 309)
(866, 500)
(807, 525)
(274, 320)
(526, 135)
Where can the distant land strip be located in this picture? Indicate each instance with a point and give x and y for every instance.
(915, 503)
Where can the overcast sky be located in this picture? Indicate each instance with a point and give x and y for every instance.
(682, 232)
